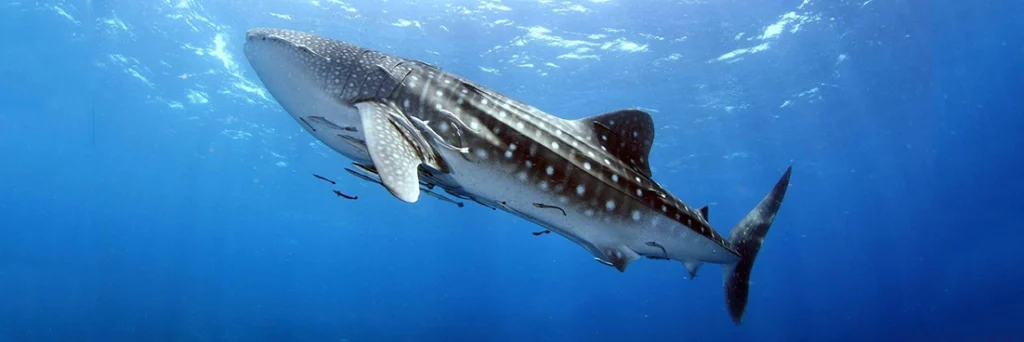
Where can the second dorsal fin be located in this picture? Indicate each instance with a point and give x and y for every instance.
(627, 134)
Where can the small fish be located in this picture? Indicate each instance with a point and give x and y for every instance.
(545, 206)
(541, 232)
(363, 176)
(308, 125)
(336, 192)
(324, 179)
(663, 251)
(440, 197)
(324, 122)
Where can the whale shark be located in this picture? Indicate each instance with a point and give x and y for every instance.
(414, 128)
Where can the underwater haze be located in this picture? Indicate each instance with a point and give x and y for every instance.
(151, 188)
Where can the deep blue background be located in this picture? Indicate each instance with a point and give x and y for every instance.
(126, 217)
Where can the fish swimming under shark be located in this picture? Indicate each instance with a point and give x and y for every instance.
(410, 127)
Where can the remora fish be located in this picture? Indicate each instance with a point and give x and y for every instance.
(406, 123)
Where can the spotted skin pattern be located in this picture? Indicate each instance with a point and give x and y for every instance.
(394, 156)
(417, 124)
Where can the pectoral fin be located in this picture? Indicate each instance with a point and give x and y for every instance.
(618, 257)
(394, 157)
(692, 267)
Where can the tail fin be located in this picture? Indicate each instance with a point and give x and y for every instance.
(747, 237)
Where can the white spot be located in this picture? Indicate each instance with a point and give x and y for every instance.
(638, 179)
(636, 215)
(544, 185)
(588, 212)
(512, 147)
(554, 145)
(474, 125)
(508, 154)
(610, 205)
(586, 165)
(615, 178)
(405, 103)
(438, 107)
(529, 164)
(607, 162)
(522, 175)
(639, 192)
(484, 102)
(439, 93)
(580, 189)
(590, 154)
(481, 153)
(664, 209)
(520, 125)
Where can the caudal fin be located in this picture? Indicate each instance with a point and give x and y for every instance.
(747, 237)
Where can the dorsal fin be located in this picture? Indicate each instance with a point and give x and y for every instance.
(627, 134)
(704, 212)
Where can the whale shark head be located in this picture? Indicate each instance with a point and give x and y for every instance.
(290, 64)
(317, 80)
(296, 65)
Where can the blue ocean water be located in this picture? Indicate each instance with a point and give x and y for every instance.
(152, 190)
